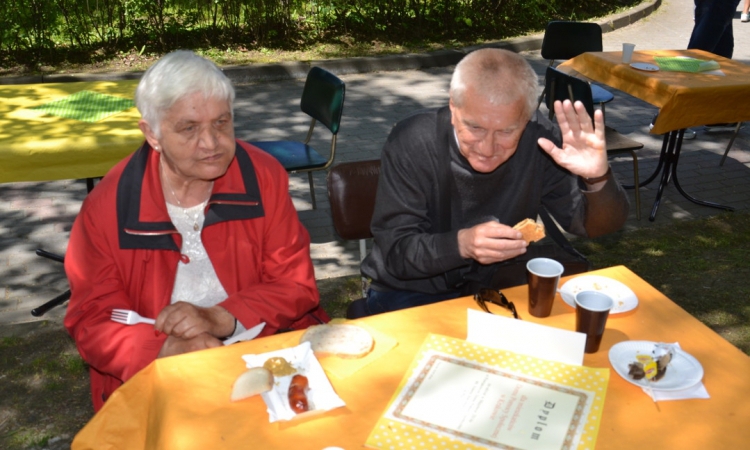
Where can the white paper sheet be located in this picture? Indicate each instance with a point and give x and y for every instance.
(524, 337)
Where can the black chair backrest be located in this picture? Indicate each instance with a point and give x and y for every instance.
(351, 190)
(565, 40)
(561, 86)
(323, 98)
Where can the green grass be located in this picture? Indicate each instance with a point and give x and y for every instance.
(27, 438)
(337, 293)
(702, 265)
(44, 387)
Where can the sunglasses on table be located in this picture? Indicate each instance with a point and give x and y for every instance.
(485, 296)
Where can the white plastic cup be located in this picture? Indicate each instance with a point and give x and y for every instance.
(627, 52)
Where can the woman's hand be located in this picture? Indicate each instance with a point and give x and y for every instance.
(177, 346)
(186, 321)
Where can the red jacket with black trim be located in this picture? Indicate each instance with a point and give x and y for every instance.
(123, 253)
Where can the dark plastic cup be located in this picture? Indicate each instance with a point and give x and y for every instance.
(544, 275)
(592, 311)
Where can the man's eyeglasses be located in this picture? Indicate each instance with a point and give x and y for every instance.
(485, 296)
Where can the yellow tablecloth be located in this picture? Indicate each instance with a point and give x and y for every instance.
(38, 147)
(183, 402)
(684, 99)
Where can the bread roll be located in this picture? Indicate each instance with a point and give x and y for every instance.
(252, 382)
(531, 230)
(342, 340)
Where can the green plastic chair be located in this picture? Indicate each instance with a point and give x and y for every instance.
(323, 101)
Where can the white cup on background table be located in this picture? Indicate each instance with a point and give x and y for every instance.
(627, 52)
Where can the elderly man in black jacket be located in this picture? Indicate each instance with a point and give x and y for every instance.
(455, 180)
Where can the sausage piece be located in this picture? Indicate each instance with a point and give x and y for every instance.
(297, 394)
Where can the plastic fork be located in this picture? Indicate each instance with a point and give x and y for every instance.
(128, 317)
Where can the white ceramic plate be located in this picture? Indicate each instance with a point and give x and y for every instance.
(683, 371)
(320, 395)
(645, 66)
(624, 297)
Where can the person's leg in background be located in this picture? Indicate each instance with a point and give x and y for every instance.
(712, 31)
(380, 301)
(745, 17)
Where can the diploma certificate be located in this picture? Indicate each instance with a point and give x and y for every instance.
(487, 398)
(489, 406)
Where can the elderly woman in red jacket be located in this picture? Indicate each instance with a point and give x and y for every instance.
(195, 229)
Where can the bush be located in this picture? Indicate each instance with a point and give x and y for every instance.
(34, 32)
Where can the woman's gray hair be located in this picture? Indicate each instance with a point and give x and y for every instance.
(501, 76)
(174, 76)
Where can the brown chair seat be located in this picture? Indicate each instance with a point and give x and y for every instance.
(351, 190)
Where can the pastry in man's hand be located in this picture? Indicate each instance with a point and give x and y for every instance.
(530, 230)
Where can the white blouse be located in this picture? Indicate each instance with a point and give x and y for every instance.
(196, 281)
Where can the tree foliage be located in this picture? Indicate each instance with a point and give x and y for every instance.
(53, 30)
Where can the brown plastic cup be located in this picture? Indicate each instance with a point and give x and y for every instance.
(544, 275)
(592, 310)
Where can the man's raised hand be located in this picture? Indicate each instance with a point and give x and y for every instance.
(584, 148)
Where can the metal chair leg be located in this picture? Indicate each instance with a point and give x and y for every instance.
(731, 142)
(364, 283)
(57, 301)
(50, 255)
(60, 299)
(65, 296)
(312, 190)
(636, 182)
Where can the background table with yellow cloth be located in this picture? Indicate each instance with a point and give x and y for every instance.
(183, 401)
(684, 99)
(37, 146)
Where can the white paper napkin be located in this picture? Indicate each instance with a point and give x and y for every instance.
(526, 338)
(321, 395)
(696, 391)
